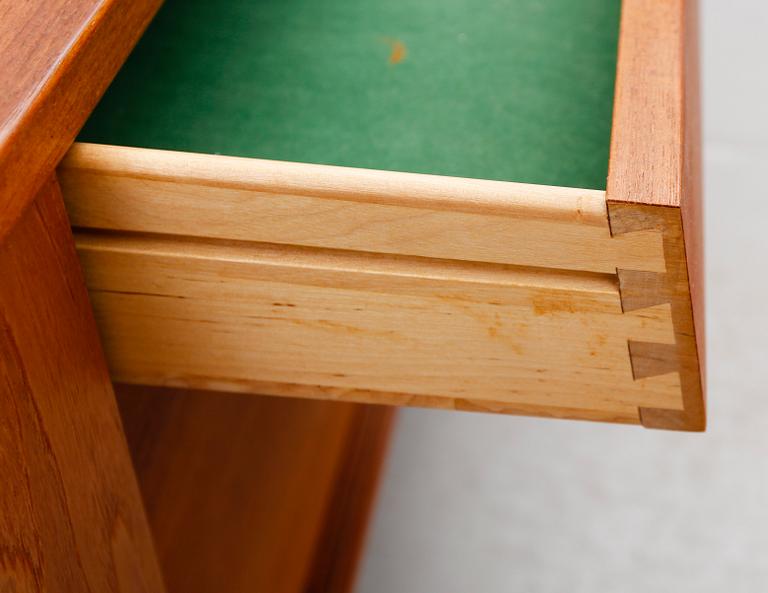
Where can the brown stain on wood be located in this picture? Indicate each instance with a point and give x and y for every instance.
(596, 344)
(334, 326)
(549, 305)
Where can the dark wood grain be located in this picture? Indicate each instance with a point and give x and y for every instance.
(71, 518)
(56, 59)
(252, 493)
(341, 545)
(646, 157)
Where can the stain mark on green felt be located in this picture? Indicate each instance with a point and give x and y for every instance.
(514, 90)
(398, 51)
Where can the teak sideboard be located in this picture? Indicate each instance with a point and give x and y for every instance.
(221, 275)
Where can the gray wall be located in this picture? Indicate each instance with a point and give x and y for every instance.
(477, 503)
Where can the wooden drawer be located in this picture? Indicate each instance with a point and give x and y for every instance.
(451, 260)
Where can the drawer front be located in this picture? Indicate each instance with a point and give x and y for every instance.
(237, 274)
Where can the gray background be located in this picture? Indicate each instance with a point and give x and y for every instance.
(476, 503)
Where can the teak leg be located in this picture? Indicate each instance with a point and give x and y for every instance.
(247, 493)
(71, 518)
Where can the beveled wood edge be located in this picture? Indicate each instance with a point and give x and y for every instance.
(38, 131)
(123, 189)
(395, 188)
(654, 181)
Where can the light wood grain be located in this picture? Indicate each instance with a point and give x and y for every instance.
(71, 518)
(247, 493)
(655, 167)
(127, 189)
(364, 327)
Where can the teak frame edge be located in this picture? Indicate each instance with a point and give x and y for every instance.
(70, 510)
(71, 516)
(62, 59)
(654, 181)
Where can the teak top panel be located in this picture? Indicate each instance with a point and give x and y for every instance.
(56, 59)
(514, 90)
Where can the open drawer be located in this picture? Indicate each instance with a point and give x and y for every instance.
(397, 218)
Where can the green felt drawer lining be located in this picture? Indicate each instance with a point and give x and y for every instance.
(515, 90)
